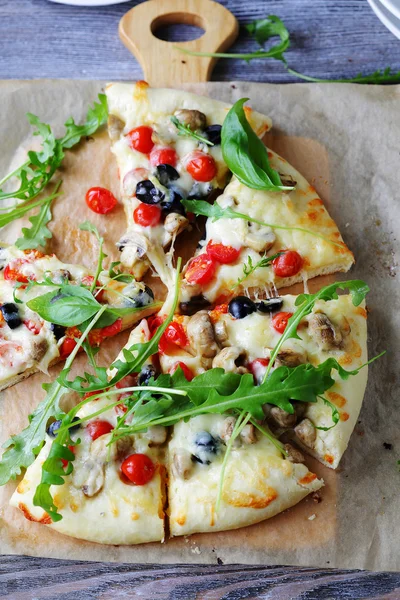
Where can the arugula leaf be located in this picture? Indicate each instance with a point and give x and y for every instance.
(245, 154)
(21, 210)
(199, 388)
(250, 267)
(184, 129)
(119, 275)
(36, 235)
(215, 212)
(96, 117)
(305, 304)
(335, 415)
(69, 306)
(378, 77)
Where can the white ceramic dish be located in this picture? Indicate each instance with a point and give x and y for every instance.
(89, 2)
(393, 6)
(386, 17)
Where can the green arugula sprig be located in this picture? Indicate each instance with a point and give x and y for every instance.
(36, 235)
(186, 130)
(379, 77)
(216, 211)
(250, 267)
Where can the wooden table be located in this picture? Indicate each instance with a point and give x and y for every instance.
(331, 39)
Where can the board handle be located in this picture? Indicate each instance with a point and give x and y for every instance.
(162, 64)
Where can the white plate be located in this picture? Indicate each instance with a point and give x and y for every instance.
(393, 6)
(89, 2)
(386, 17)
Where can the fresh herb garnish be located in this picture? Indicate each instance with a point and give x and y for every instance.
(216, 211)
(184, 129)
(245, 154)
(378, 77)
(88, 226)
(36, 235)
(250, 267)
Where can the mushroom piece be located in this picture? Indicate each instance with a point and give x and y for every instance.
(325, 333)
(90, 475)
(133, 247)
(282, 417)
(306, 433)
(200, 332)
(173, 225)
(293, 455)
(157, 434)
(227, 428)
(290, 358)
(39, 350)
(259, 237)
(182, 464)
(220, 332)
(248, 434)
(60, 276)
(231, 359)
(287, 180)
(115, 127)
(194, 118)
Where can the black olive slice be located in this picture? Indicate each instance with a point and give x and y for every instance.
(147, 192)
(269, 305)
(240, 307)
(11, 315)
(166, 173)
(213, 134)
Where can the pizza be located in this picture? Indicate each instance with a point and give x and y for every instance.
(28, 343)
(160, 164)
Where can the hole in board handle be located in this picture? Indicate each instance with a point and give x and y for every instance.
(178, 27)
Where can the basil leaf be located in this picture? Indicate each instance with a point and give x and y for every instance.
(68, 306)
(245, 154)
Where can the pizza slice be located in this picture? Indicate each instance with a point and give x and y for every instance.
(167, 144)
(28, 343)
(280, 238)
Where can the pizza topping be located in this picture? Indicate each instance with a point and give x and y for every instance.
(58, 330)
(32, 326)
(163, 157)
(206, 446)
(138, 468)
(115, 127)
(306, 433)
(200, 332)
(220, 332)
(185, 369)
(174, 223)
(67, 347)
(10, 313)
(100, 200)
(140, 139)
(213, 134)
(137, 295)
(135, 244)
(196, 303)
(290, 358)
(259, 238)
(166, 173)
(325, 333)
(248, 434)
(201, 166)
(224, 255)
(90, 476)
(147, 372)
(53, 428)
(191, 117)
(269, 305)
(241, 307)
(280, 321)
(174, 335)
(147, 215)
(157, 435)
(201, 269)
(257, 368)
(148, 193)
(231, 359)
(172, 202)
(60, 276)
(293, 454)
(98, 428)
(282, 417)
(131, 180)
(182, 464)
(288, 264)
(11, 273)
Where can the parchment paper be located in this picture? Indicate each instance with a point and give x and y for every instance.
(345, 140)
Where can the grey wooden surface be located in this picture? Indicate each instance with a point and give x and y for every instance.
(331, 38)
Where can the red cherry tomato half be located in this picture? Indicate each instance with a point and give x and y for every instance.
(163, 156)
(127, 381)
(140, 139)
(113, 329)
(100, 200)
(223, 254)
(287, 264)
(63, 460)
(201, 269)
(14, 275)
(120, 409)
(174, 335)
(90, 394)
(186, 371)
(201, 166)
(280, 320)
(66, 347)
(32, 326)
(138, 468)
(147, 215)
(98, 428)
(257, 368)
(154, 323)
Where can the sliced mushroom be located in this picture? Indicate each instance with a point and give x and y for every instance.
(248, 434)
(231, 360)
(133, 247)
(290, 358)
(39, 350)
(282, 417)
(90, 475)
(124, 447)
(194, 118)
(182, 464)
(326, 334)
(200, 332)
(115, 127)
(306, 433)
(157, 434)
(173, 225)
(220, 332)
(227, 428)
(293, 455)
(259, 238)
(287, 180)
(60, 276)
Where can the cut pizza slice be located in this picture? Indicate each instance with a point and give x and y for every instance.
(115, 494)
(29, 343)
(292, 226)
(167, 144)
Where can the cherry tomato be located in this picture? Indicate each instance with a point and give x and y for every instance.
(163, 156)
(201, 167)
(120, 409)
(67, 347)
(90, 394)
(113, 329)
(138, 468)
(287, 264)
(147, 215)
(257, 368)
(98, 428)
(100, 200)
(154, 323)
(32, 326)
(201, 269)
(223, 254)
(63, 460)
(280, 320)
(140, 139)
(186, 371)
(14, 275)
(174, 335)
(127, 381)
